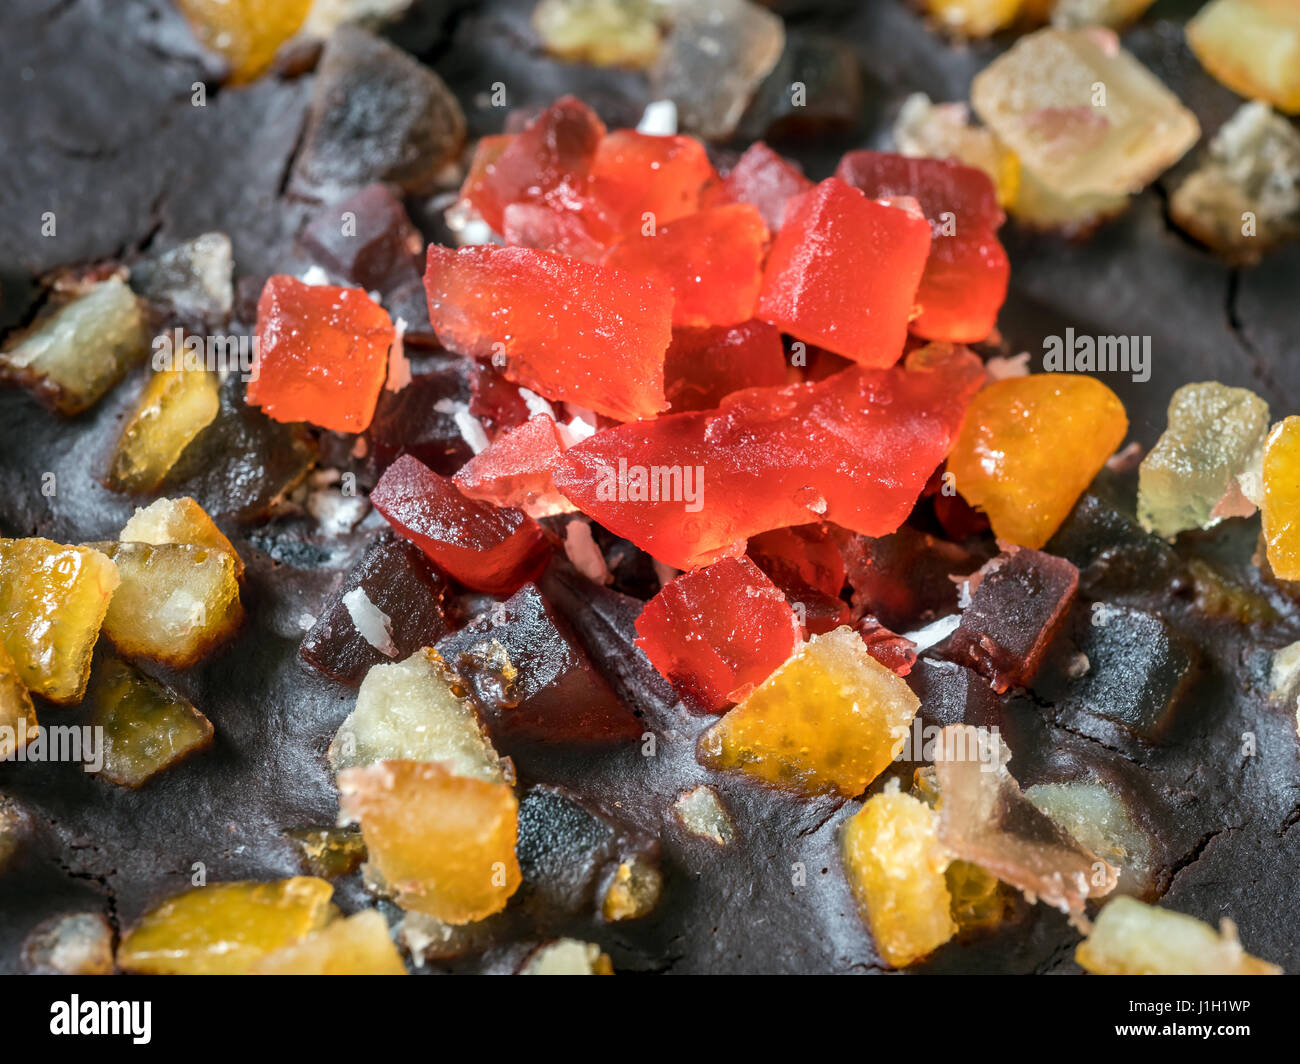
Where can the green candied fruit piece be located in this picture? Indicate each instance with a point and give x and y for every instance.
(146, 726)
(1214, 432)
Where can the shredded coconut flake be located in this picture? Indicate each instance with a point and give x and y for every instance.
(373, 624)
(470, 429)
(581, 549)
(659, 119)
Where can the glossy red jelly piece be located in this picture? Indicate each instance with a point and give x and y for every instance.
(648, 179)
(766, 180)
(566, 329)
(322, 354)
(843, 273)
(484, 547)
(855, 449)
(516, 469)
(939, 185)
(705, 365)
(718, 632)
(712, 262)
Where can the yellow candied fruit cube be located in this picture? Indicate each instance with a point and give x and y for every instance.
(974, 18)
(828, 720)
(223, 929)
(1133, 938)
(895, 866)
(1281, 504)
(359, 945)
(979, 899)
(568, 956)
(175, 406)
(1252, 47)
(633, 890)
(178, 521)
(146, 726)
(176, 601)
(53, 601)
(600, 32)
(246, 33)
(443, 844)
(17, 714)
(1010, 458)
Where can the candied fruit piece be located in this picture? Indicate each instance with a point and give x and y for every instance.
(1245, 196)
(1100, 819)
(379, 251)
(533, 677)
(1039, 206)
(329, 852)
(568, 329)
(952, 694)
(484, 547)
(1082, 114)
(843, 273)
(895, 652)
(712, 262)
(703, 366)
(986, 820)
(175, 406)
(176, 602)
(193, 281)
(564, 851)
(245, 33)
(1252, 47)
(1008, 460)
(357, 945)
(600, 32)
(944, 131)
(568, 956)
(644, 179)
(702, 813)
(828, 720)
(178, 521)
(53, 601)
(941, 187)
(425, 418)
(71, 356)
(224, 928)
(392, 581)
(18, 724)
(1281, 501)
(979, 900)
(322, 353)
(516, 469)
(806, 564)
(878, 435)
(633, 890)
(377, 114)
(905, 579)
(548, 163)
(765, 180)
(70, 944)
(1132, 938)
(146, 727)
(1112, 13)
(895, 866)
(1214, 433)
(714, 59)
(973, 18)
(1015, 612)
(717, 632)
(443, 844)
(414, 710)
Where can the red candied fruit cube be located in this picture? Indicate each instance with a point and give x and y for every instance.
(843, 273)
(690, 488)
(636, 174)
(712, 261)
(322, 354)
(766, 180)
(516, 469)
(569, 330)
(703, 366)
(548, 162)
(718, 632)
(966, 276)
(485, 547)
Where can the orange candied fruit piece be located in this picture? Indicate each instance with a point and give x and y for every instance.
(359, 945)
(322, 354)
(896, 866)
(1030, 446)
(224, 928)
(1281, 505)
(443, 844)
(828, 720)
(246, 33)
(179, 520)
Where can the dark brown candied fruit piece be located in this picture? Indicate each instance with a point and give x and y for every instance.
(953, 694)
(807, 564)
(829, 95)
(376, 115)
(487, 548)
(1021, 602)
(419, 420)
(243, 464)
(396, 579)
(1138, 671)
(533, 678)
(495, 401)
(895, 652)
(905, 579)
(704, 365)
